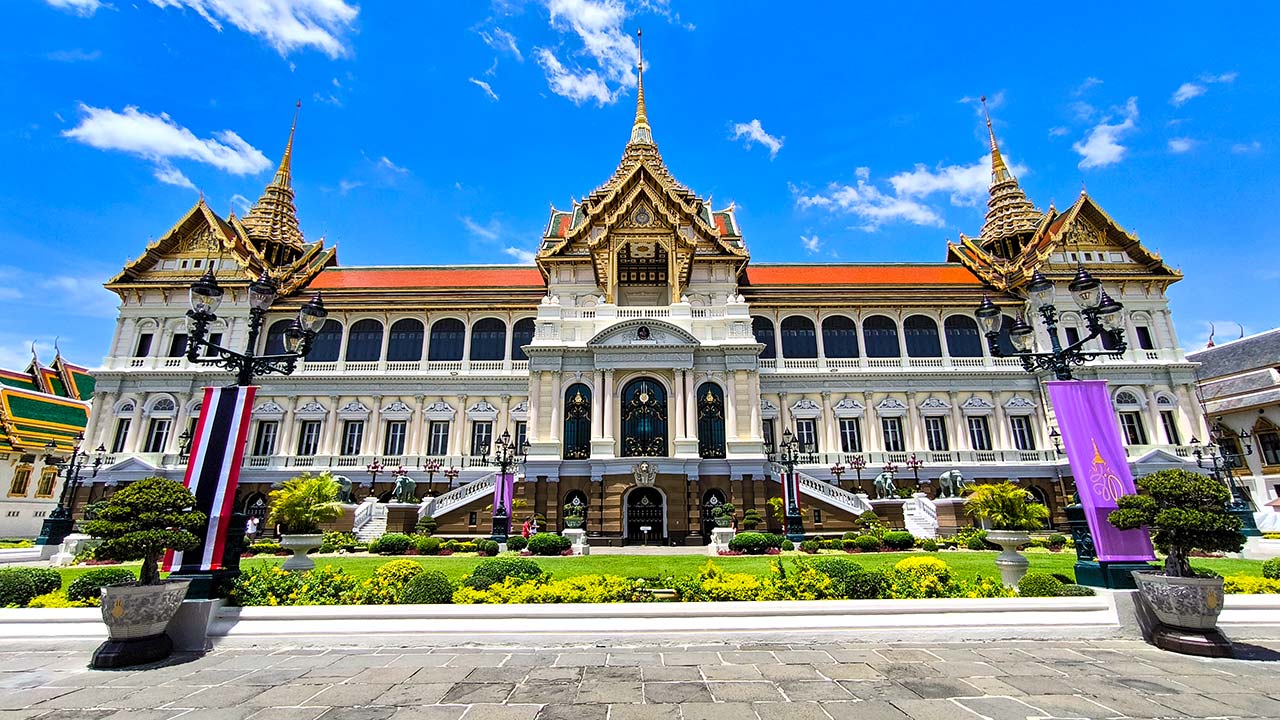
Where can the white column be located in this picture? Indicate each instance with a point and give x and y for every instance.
(777, 340)
(535, 402)
(1155, 435)
(374, 431)
(386, 340)
(286, 430)
(690, 418)
(784, 417)
(1004, 438)
(829, 443)
(597, 406)
(730, 404)
(136, 431)
(413, 433)
(677, 392)
(822, 348)
(179, 424)
(466, 343)
(329, 443)
(460, 428)
(753, 388)
(608, 404)
(959, 428)
(916, 431)
(557, 407)
(871, 430)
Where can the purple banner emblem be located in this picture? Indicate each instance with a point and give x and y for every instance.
(1098, 463)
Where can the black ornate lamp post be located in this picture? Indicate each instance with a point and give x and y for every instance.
(1222, 467)
(789, 456)
(1102, 314)
(838, 470)
(506, 456)
(184, 444)
(451, 474)
(374, 469)
(432, 467)
(914, 464)
(57, 526)
(857, 462)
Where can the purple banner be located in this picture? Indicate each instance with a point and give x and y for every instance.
(1091, 437)
(504, 487)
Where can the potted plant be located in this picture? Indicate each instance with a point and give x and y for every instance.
(751, 519)
(1184, 511)
(1011, 512)
(575, 514)
(140, 522)
(299, 506)
(722, 514)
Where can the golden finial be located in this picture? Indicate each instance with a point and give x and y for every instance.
(640, 132)
(999, 171)
(284, 174)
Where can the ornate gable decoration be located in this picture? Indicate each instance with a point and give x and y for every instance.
(438, 410)
(768, 409)
(521, 411)
(397, 410)
(1019, 405)
(977, 406)
(269, 410)
(310, 411)
(483, 410)
(643, 333)
(353, 410)
(806, 408)
(934, 405)
(891, 407)
(849, 407)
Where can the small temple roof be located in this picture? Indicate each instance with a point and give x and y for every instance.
(43, 404)
(477, 276)
(859, 274)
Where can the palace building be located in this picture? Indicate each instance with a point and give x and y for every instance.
(643, 333)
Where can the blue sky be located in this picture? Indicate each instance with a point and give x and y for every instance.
(440, 132)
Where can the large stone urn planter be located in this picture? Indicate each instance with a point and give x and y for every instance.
(1186, 602)
(1011, 564)
(136, 616)
(574, 521)
(299, 545)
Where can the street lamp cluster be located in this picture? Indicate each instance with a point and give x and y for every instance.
(1222, 467)
(57, 526)
(1103, 315)
(506, 455)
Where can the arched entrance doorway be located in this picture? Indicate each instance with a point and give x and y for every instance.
(645, 507)
(255, 506)
(644, 418)
(1043, 499)
(711, 500)
(577, 500)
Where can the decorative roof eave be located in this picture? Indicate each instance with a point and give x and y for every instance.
(226, 234)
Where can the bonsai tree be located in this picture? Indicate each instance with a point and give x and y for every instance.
(1007, 507)
(303, 502)
(1184, 511)
(724, 512)
(575, 511)
(751, 519)
(144, 519)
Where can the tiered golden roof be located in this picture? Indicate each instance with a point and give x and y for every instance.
(1010, 215)
(273, 220)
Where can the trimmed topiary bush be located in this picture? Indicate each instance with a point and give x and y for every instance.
(391, 544)
(1039, 584)
(751, 519)
(899, 540)
(852, 581)
(867, 543)
(1073, 590)
(487, 547)
(89, 585)
(431, 587)
(788, 545)
(850, 535)
(976, 542)
(46, 580)
(810, 546)
(850, 543)
(144, 519)
(929, 545)
(16, 587)
(1271, 569)
(548, 544)
(335, 541)
(426, 545)
(489, 572)
(754, 543)
(426, 526)
(1184, 511)
(1056, 542)
(517, 543)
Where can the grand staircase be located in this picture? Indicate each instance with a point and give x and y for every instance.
(921, 517)
(831, 494)
(370, 521)
(462, 495)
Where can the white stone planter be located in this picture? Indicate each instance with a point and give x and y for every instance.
(136, 611)
(720, 539)
(1010, 562)
(299, 545)
(1186, 602)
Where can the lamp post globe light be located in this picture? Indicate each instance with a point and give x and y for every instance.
(1222, 467)
(858, 463)
(58, 525)
(788, 457)
(914, 464)
(506, 456)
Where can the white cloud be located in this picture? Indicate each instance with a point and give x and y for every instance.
(502, 41)
(598, 25)
(159, 139)
(1059, 131)
(77, 295)
(75, 55)
(493, 69)
(754, 132)
(966, 185)
(484, 232)
(240, 203)
(1085, 86)
(345, 186)
(488, 90)
(811, 244)
(1101, 145)
(83, 8)
(285, 25)
(523, 257)
(870, 204)
(1246, 148)
(1180, 145)
(1189, 90)
(384, 163)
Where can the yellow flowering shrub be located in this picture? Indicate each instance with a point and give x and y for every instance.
(802, 582)
(713, 584)
(543, 590)
(921, 577)
(58, 599)
(387, 584)
(272, 585)
(1248, 585)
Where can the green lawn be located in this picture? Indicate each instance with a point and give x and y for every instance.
(965, 563)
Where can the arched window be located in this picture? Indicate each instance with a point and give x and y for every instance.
(577, 422)
(405, 343)
(839, 337)
(710, 421)
(963, 338)
(275, 337)
(798, 338)
(644, 419)
(762, 328)
(1002, 341)
(327, 343)
(880, 337)
(447, 337)
(578, 499)
(364, 341)
(922, 337)
(488, 339)
(521, 335)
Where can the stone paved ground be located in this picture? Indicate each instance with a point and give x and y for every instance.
(844, 680)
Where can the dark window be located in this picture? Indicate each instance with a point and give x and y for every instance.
(1023, 436)
(807, 435)
(850, 435)
(1002, 341)
(710, 421)
(1144, 337)
(488, 339)
(327, 343)
(577, 422)
(144, 345)
(762, 328)
(1170, 423)
(275, 337)
(880, 337)
(471, 518)
(893, 440)
(393, 443)
(1269, 444)
(1073, 335)
(935, 433)
(521, 335)
(1134, 432)
(122, 434)
(766, 432)
(481, 437)
(980, 433)
(178, 345)
(405, 343)
(447, 337)
(352, 437)
(817, 516)
(364, 341)
(438, 438)
(522, 433)
(963, 338)
(922, 337)
(214, 339)
(644, 419)
(798, 338)
(839, 337)
(264, 441)
(157, 435)
(308, 437)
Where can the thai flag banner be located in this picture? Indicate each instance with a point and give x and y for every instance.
(213, 472)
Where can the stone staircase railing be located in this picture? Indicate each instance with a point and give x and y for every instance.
(457, 497)
(920, 515)
(832, 495)
(370, 521)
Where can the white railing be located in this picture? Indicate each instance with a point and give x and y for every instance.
(801, 364)
(831, 494)
(404, 365)
(643, 312)
(361, 366)
(444, 364)
(883, 362)
(363, 514)
(920, 515)
(711, 312)
(925, 362)
(486, 365)
(968, 362)
(457, 497)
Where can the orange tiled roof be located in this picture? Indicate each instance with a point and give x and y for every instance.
(428, 277)
(833, 274)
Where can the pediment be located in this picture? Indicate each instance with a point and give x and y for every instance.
(636, 334)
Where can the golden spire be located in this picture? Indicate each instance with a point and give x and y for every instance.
(640, 132)
(1009, 213)
(274, 219)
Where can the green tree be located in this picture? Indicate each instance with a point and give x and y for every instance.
(144, 519)
(1006, 506)
(303, 502)
(1184, 511)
